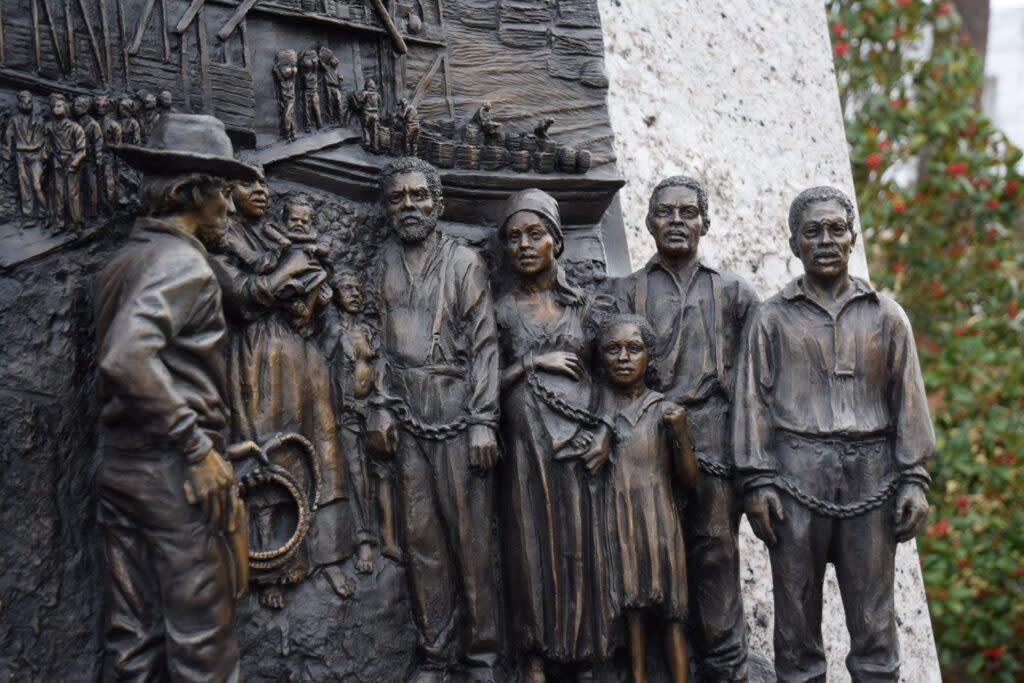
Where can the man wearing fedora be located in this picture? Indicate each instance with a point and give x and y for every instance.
(172, 521)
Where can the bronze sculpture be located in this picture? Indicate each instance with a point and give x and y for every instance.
(169, 512)
(66, 148)
(553, 444)
(336, 108)
(410, 122)
(309, 70)
(149, 112)
(91, 168)
(437, 411)
(367, 103)
(652, 455)
(25, 145)
(832, 431)
(111, 129)
(285, 70)
(698, 314)
(131, 128)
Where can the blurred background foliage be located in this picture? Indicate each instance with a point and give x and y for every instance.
(940, 197)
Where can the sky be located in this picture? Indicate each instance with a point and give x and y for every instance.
(1004, 4)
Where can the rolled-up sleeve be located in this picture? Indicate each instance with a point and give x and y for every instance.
(752, 426)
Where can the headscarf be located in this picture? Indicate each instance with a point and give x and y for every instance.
(544, 205)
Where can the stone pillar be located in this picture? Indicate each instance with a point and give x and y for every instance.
(743, 95)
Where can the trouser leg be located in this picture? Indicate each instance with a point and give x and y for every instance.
(467, 502)
(133, 632)
(798, 572)
(25, 193)
(430, 569)
(712, 531)
(110, 184)
(74, 183)
(60, 193)
(91, 188)
(864, 554)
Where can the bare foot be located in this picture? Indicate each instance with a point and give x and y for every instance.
(272, 597)
(364, 565)
(391, 549)
(342, 585)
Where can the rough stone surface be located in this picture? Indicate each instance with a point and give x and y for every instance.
(743, 95)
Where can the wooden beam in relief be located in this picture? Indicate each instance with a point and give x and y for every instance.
(421, 87)
(229, 27)
(69, 35)
(35, 35)
(189, 15)
(53, 34)
(97, 55)
(140, 29)
(2, 58)
(124, 38)
(448, 87)
(204, 63)
(164, 30)
(389, 24)
(105, 31)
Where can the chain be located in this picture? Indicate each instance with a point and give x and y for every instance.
(560, 405)
(834, 509)
(715, 469)
(439, 432)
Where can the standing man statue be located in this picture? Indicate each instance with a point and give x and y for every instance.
(66, 148)
(285, 70)
(165, 102)
(437, 412)
(91, 168)
(831, 433)
(147, 117)
(309, 69)
(410, 126)
(131, 129)
(367, 102)
(698, 314)
(25, 145)
(173, 525)
(332, 85)
(111, 128)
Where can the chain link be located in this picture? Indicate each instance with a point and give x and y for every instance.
(424, 430)
(560, 405)
(836, 510)
(715, 469)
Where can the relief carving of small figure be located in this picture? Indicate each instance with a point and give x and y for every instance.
(94, 151)
(651, 458)
(25, 146)
(367, 103)
(67, 149)
(410, 126)
(436, 413)
(285, 71)
(309, 70)
(131, 129)
(165, 102)
(173, 525)
(332, 85)
(554, 446)
(352, 347)
(148, 112)
(831, 434)
(111, 128)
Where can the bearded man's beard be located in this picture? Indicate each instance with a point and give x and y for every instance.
(418, 231)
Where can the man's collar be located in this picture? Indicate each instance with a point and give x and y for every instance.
(858, 288)
(147, 225)
(657, 261)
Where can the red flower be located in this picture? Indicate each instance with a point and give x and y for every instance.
(897, 32)
(840, 48)
(994, 652)
(899, 206)
(873, 160)
(897, 267)
(960, 331)
(991, 234)
(943, 9)
(937, 289)
(994, 262)
(961, 503)
(940, 528)
(1012, 308)
(902, 3)
(992, 203)
(956, 168)
(981, 182)
(963, 563)
(897, 102)
(1006, 459)
(866, 15)
(838, 28)
(1011, 187)
(884, 145)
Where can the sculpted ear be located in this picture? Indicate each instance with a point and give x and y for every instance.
(792, 246)
(650, 222)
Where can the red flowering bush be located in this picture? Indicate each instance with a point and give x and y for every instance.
(941, 208)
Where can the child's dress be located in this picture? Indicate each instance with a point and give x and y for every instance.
(651, 558)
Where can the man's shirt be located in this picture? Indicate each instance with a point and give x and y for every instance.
(853, 374)
(698, 324)
(160, 335)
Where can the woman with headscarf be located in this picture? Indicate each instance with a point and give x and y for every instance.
(554, 446)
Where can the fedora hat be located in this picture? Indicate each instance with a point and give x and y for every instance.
(187, 143)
